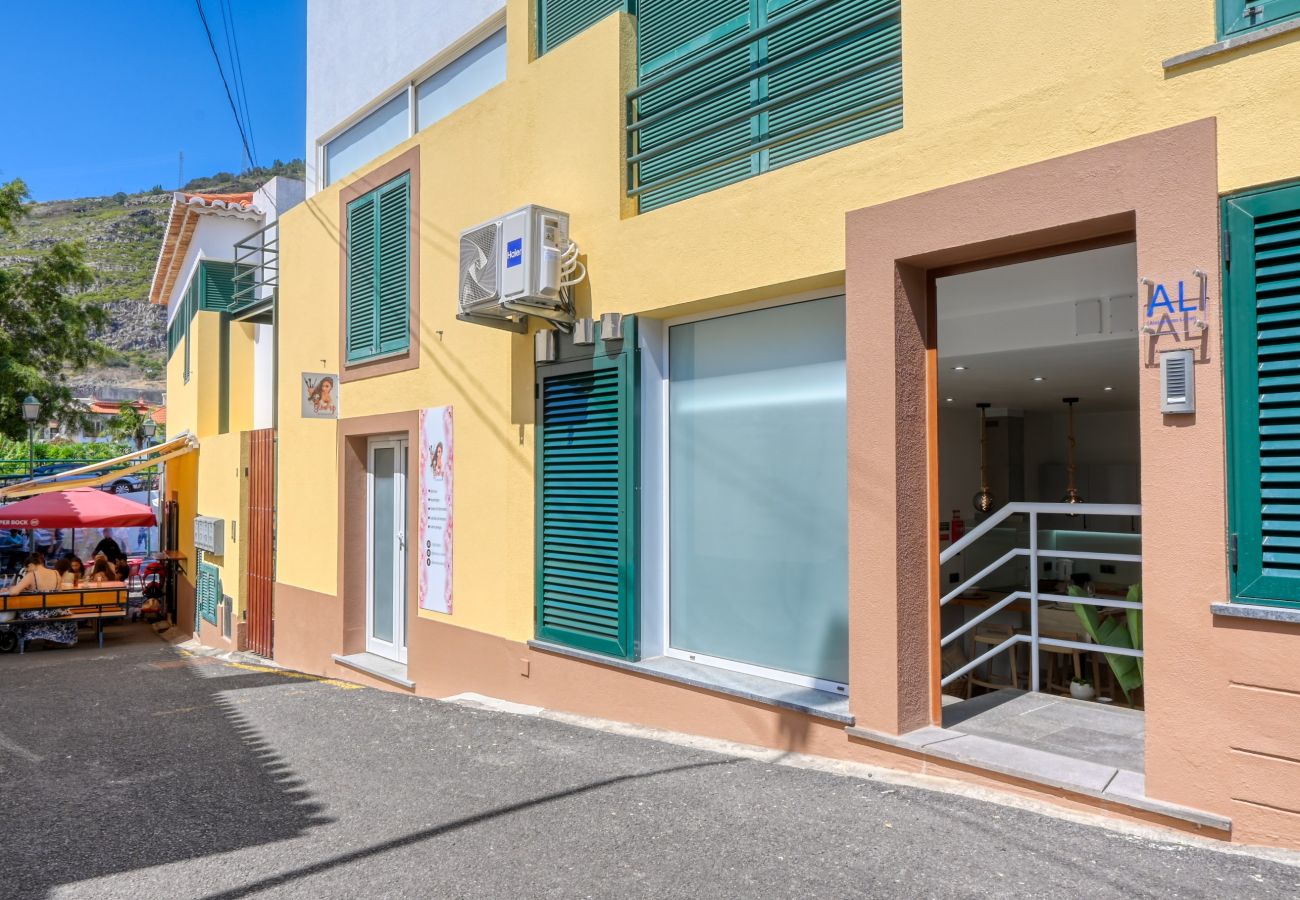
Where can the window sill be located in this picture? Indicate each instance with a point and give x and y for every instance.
(377, 667)
(721, 681)
(1286, 614)
(1233, 43)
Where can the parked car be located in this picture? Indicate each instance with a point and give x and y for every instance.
(125, 484)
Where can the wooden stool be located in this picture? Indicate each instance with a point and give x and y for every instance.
(1062, 685)
(991, 636)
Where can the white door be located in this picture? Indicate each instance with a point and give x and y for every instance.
(386, 548)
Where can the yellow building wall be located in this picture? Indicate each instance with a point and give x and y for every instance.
(988, 85)
(211, 482)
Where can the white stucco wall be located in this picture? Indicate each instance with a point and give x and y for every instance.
(360, 49)
(214, 238)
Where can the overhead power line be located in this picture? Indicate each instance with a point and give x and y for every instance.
(237, 70)
(239, 123)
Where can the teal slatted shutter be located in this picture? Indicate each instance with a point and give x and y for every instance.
(1236, 16)
(860, 73)
(559, 20)
(216, 282)
(1262, 363)
(671, 36)
(393, 275)
(362, 250)
(379, 271)
(733, 88)
(207, 592)
(587, 505)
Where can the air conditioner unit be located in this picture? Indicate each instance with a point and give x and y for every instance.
(518, 264)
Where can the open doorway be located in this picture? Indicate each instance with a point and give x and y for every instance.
(1039, 475)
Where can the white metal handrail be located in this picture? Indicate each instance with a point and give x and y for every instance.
(1033, 595)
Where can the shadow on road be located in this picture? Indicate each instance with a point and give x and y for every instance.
(132, 757)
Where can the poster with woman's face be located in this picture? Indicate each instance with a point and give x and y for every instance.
(320, 395)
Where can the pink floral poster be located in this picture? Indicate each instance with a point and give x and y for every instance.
(435, 509)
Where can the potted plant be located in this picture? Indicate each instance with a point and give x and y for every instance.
(1081, 689)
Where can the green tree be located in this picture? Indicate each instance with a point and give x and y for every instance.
(45, 331)
(127, 425)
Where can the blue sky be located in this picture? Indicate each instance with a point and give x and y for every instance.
(99, 97)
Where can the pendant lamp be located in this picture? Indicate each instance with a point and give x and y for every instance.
(983, 499)
(1071, 491)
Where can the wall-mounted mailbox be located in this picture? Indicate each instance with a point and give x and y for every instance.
(1177, 382)
(210, 534)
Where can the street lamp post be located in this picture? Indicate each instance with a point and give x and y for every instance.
(148, 428)
(31, 412)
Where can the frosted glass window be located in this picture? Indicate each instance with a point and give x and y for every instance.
(758, 476)
(451, 87)
(382, 130)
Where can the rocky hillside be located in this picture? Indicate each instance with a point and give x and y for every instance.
(122, 234)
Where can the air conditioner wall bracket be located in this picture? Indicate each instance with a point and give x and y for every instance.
(520, 327)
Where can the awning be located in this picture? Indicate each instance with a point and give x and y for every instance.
(103, 471)
(79, 508)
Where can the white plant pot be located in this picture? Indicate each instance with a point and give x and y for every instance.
(1082, 691)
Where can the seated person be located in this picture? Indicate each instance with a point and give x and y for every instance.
(102, 573)
(121, 568)
(73, 572)
(36, 577)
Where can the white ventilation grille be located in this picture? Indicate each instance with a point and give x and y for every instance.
(1177, 382)
(479, 283)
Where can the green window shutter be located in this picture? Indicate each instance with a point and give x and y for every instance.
(559, 20)
(362, 252)
(862, 74)
(216, 283)
(828, 75)
(1262, 348)
(587, 503)
(393, 277)
(191, 307)
(1237, 16)
(379, 266)
(207, 592)
(671, 36)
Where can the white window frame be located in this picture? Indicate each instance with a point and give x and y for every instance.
(452, 52)
(655, 537)
(397, 649)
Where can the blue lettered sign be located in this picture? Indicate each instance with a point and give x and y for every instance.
(514, 253)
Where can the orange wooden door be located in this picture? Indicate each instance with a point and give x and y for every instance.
(261, 541)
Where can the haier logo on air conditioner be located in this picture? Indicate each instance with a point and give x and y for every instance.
(515, 253)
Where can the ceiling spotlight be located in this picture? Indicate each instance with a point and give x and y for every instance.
(1038, 378)
(947, 399)
(959, 368)
(1108, 388)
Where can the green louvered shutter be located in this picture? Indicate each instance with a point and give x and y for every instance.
(362, 252)
(393, 275)
(671, 36)
(826, 74)
(587, 510)
(1236, 16)
(1262, 316)
(216, 281)
(559, 20)
(207, 593)
(862, 74)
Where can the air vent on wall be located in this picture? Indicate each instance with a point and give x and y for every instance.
(1177, 382)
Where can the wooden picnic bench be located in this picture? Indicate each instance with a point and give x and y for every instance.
(82, 604)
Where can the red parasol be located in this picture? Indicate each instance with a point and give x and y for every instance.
(77, 508)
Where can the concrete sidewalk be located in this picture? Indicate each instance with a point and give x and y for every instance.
(136, 771)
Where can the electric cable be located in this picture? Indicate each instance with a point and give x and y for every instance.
(226, 84)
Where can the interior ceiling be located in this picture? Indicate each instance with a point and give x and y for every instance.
(1069, 366)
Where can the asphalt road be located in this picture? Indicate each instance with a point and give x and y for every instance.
(136, 772)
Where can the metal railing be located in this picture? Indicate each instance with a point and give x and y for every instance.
(257, 269)
(639, 151)
(1034, 553)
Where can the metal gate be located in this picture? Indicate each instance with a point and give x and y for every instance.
(261, 540)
